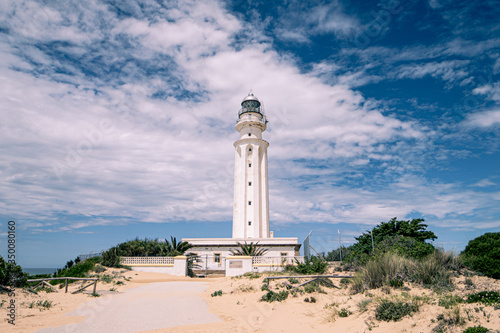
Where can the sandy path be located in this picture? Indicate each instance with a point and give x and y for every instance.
(149, 307)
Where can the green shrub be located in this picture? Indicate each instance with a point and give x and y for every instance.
(315, 265)
(397, 281)
(476, 329)
(485, 297)
(11, 275)
(271, 296)
(344, 312)
(216, 293)
(99, 269)
(310, 300)
(482, 254)
(388, 310)
(264, 287)
(449, 301)
(252, 275)
(293, 280)
(406, 238)
(106, 278)
(80, 269)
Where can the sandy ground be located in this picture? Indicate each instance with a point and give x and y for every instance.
(241, 311)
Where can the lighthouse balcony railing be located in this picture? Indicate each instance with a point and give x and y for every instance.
(277, 261)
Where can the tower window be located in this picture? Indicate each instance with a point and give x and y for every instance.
(249, 203)
(249, 149)
(249, 165)
(249, 183)
(249, 222)
(249, 134)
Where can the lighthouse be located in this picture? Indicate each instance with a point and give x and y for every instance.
(250, 207)
(251, 191)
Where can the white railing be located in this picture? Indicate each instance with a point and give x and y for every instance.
(276, 261)
(147, 260)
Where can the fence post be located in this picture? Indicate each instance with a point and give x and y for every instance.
(95, 286)
(66, 286)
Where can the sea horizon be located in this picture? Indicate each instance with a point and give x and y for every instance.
(38, 270)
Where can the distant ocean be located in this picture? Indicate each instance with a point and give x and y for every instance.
(33, 271)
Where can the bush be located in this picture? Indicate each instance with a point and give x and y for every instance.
(271, 296)
(482, 254)
(406, 238)
(485, 297)
(476, 329)
(80, 269)
(216, 293)
(11, 275)
(310, 300)
(449, 301)
(388, 310)
(344, 313)
(315, 265)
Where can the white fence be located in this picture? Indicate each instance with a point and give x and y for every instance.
(276, 261)
(127, 261)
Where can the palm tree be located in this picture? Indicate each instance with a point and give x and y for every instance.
(249, 250)
(173, 248)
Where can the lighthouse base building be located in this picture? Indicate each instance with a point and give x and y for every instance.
(251, 206)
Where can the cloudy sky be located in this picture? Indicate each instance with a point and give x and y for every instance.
(117, 118)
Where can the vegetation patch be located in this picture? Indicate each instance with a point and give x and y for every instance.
(344, 313)
(449, 301)
(388, 310)
(485, 297)
(476, 329)
(272, 296)
(310, 300)
(216, 293)
(482, 254)
(314, 265)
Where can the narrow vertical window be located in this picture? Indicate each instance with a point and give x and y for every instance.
(249, 165)
(249, 203)
(249, 222)
(249, 149)
(249, 183)
(249, 134)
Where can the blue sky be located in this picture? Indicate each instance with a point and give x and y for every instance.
(117, 118)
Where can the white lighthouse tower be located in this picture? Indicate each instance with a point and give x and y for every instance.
(251, 193)
(251, 206)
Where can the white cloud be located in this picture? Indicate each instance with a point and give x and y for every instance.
(483, 118)
(446, 70)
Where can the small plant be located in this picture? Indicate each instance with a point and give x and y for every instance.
(293, 280)
(468, 283)
(272, 296)
(363, 305)
(345, 281)
(112, 289)
(106, 278)
(310, 300)
(397, 281)
(306, 299)
(1, 304)
(119, 283)
(388, 310)
(449, 301)
(476, 329)
(95, 295)
(216, 293)
(485, 297)
(99, 269)
(344, 313)
(264, 287)
(252, 275)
